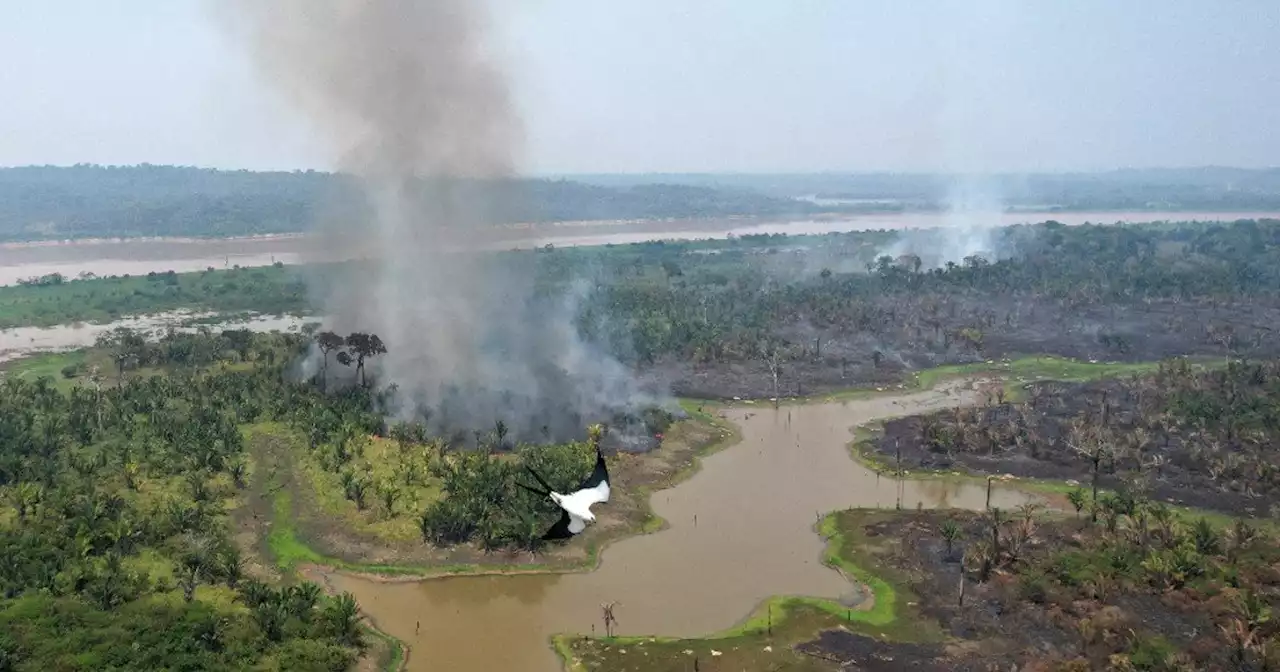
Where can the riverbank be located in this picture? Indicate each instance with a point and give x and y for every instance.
(767, 638)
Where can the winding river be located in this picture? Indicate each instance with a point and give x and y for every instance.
(741, 530)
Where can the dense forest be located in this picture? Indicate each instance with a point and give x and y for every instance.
(116, 530)
(124, 477)
(1207, 188)
(87, 201)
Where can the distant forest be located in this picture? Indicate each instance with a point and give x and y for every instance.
(46, 202)
(1172, 189)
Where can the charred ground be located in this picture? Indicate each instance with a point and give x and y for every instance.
(1145, 590)
(1204, 438)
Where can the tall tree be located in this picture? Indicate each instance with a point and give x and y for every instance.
(326, 342)
(365, 346)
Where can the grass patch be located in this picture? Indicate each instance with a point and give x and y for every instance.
(388, 651)
(765, 638)
(287, 548)
(57, 365)
(380, 464)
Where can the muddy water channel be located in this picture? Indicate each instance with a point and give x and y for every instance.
(741, 530)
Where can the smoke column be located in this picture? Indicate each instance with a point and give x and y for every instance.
(970, 64)
(418, 111)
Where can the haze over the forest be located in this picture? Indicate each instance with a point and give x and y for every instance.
(663, 85)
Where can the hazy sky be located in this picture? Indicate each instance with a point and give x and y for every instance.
(702, 85)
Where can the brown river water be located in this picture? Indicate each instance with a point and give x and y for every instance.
(741, 530)
(141, 256)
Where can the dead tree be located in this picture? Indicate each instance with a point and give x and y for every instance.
(775, 369)
(609, 619)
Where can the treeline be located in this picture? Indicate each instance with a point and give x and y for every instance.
(47, 202)
(1171, 189)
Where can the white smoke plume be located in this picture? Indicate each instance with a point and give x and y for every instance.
(974, 208)
(414, 104)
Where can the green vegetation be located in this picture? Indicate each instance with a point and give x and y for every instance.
(1019, 371)
(54, 300)
(116, 532)
(119, 493)
(330, 515)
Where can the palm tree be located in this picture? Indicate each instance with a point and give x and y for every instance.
(254, 592)
(302, 599)
(230, 566)
(950, 533)
(343, 618)
(594, 434)
(25, 497)
(500, 432)
(195, 563)
(425, 525)
(389, 493)
(271, 617)
(1076, 497)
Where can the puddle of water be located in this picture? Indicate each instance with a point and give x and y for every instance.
(24, 341)
(755, 505)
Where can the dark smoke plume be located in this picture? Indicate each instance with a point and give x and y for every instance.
(415, 107)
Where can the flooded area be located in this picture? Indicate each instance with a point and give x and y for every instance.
(141, 256)
(24, 341)
(741, 530)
